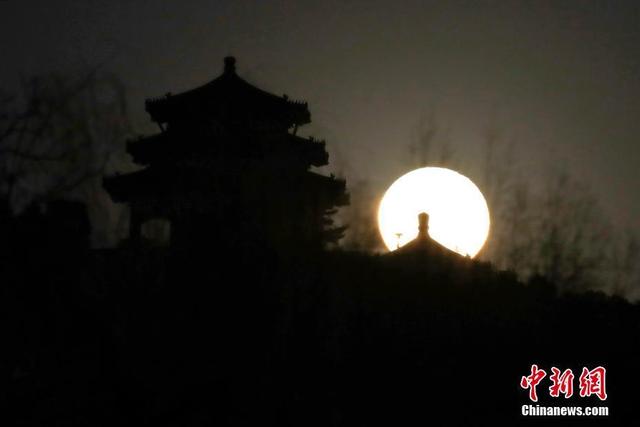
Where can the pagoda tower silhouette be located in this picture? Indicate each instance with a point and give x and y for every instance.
(228, 170)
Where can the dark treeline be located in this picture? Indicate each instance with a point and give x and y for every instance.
(238, 315)
(548, 224)
(167, 337)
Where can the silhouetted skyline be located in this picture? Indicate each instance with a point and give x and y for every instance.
(224, 293)
(561, 78)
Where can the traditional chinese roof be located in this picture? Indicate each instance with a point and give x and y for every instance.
(136, 185)
(308, 151)
(150, 183)
(424, 246)
(331, 186)
(145, 150)
(227, 98)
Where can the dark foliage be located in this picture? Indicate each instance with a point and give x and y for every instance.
(251, 336)
(232, 324)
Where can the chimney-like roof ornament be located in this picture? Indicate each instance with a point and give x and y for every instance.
(423, 227)
(229, 65)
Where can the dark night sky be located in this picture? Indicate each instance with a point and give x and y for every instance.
(562, 78)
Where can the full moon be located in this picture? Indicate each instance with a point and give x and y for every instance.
(458, 212)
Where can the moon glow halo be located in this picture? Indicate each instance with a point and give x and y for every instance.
(458, 213)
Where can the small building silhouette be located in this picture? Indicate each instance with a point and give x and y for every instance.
(228, 168)
(424, 246)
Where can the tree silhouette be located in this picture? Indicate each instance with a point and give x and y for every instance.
(432, 144)
(362, 218)
(552, 227)
(58, 136)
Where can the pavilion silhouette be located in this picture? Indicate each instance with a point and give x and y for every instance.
(228, 167)
(424, 247)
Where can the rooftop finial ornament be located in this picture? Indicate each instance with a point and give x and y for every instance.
(423, 225)
(229, 64)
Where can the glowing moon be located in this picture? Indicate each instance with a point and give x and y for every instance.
(458, 212)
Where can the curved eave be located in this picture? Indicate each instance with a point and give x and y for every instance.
(146, 150)
(136, 185)
(228, 93)
(426, 247)
(335, 188)
(310, 149)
